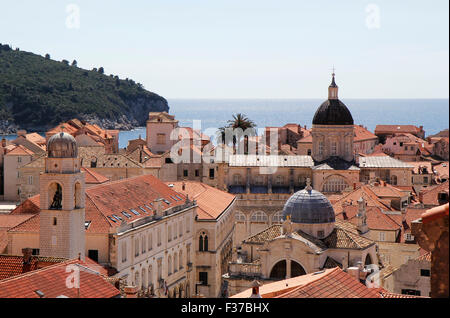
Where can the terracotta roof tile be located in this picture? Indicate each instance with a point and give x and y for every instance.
(8, 221)
(20, 150)
(51, 281)
(329, 283)
(12, 265)
(211, 202)
(268, 234)
(93, 177)
(361, 133)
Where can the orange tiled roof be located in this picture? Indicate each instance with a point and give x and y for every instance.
(51, 281)
(361, 133)
(108, 199)
(20, 150)
(366, 193)
(328, 283)
(93, 177)
(425, 257)
(429, 196)
(211, 202)
(3, 240)
(380, 129)
(12, 265)
(10, 220)
(376, 219)
(335, 284)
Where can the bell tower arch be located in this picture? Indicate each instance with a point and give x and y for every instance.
(62, 200)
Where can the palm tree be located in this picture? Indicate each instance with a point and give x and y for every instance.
(239, 121)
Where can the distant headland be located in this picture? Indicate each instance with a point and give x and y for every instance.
(37, 93)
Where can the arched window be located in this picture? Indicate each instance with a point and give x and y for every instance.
(240, 217)
(55, 196)
(77, 195)
(277, 217)
(335, 184)
(259, 216)
(180, 261)
(203, 242)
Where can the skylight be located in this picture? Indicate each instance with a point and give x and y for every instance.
(128, 215)
(134, 211)
(145, 211)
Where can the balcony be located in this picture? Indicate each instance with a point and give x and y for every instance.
(245, 269)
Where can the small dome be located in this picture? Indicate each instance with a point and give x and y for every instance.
(62, 145)
(309, 206)
(333, 112)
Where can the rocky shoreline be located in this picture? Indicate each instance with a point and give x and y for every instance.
(123, 123)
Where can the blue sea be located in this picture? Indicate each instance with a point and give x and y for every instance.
(432, 114)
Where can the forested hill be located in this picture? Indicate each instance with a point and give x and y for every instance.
(37, 93)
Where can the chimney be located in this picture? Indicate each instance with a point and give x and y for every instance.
(255, 289)
(354, 272)
(158, 208)
(183, 186)
(27, 255)
(130, 291)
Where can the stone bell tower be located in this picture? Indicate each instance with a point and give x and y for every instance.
(62, 200)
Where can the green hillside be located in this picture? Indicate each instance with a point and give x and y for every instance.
(37, 92)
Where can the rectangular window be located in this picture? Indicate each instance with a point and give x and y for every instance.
(30, 180)
(124, 252)
(19, 159)
(185, 173)
(320, 147)
(211, 173)
(161, 139)
(35, 251)
(382, 236)
(197, 172)
(425, 272)
(93, 255)
(425, 179)
(333, 148)
(203, 278)
(159, 237)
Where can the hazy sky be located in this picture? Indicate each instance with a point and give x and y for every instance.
(246, 48)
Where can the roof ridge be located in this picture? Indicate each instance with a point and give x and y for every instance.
(33, 216)
(39, 270)
(330, 271)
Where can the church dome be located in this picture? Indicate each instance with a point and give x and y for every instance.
(333, 112)
(310, 207)
(62, 145)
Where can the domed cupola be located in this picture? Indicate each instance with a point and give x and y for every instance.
(333, 111)
(311, 212)
(62, 145)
